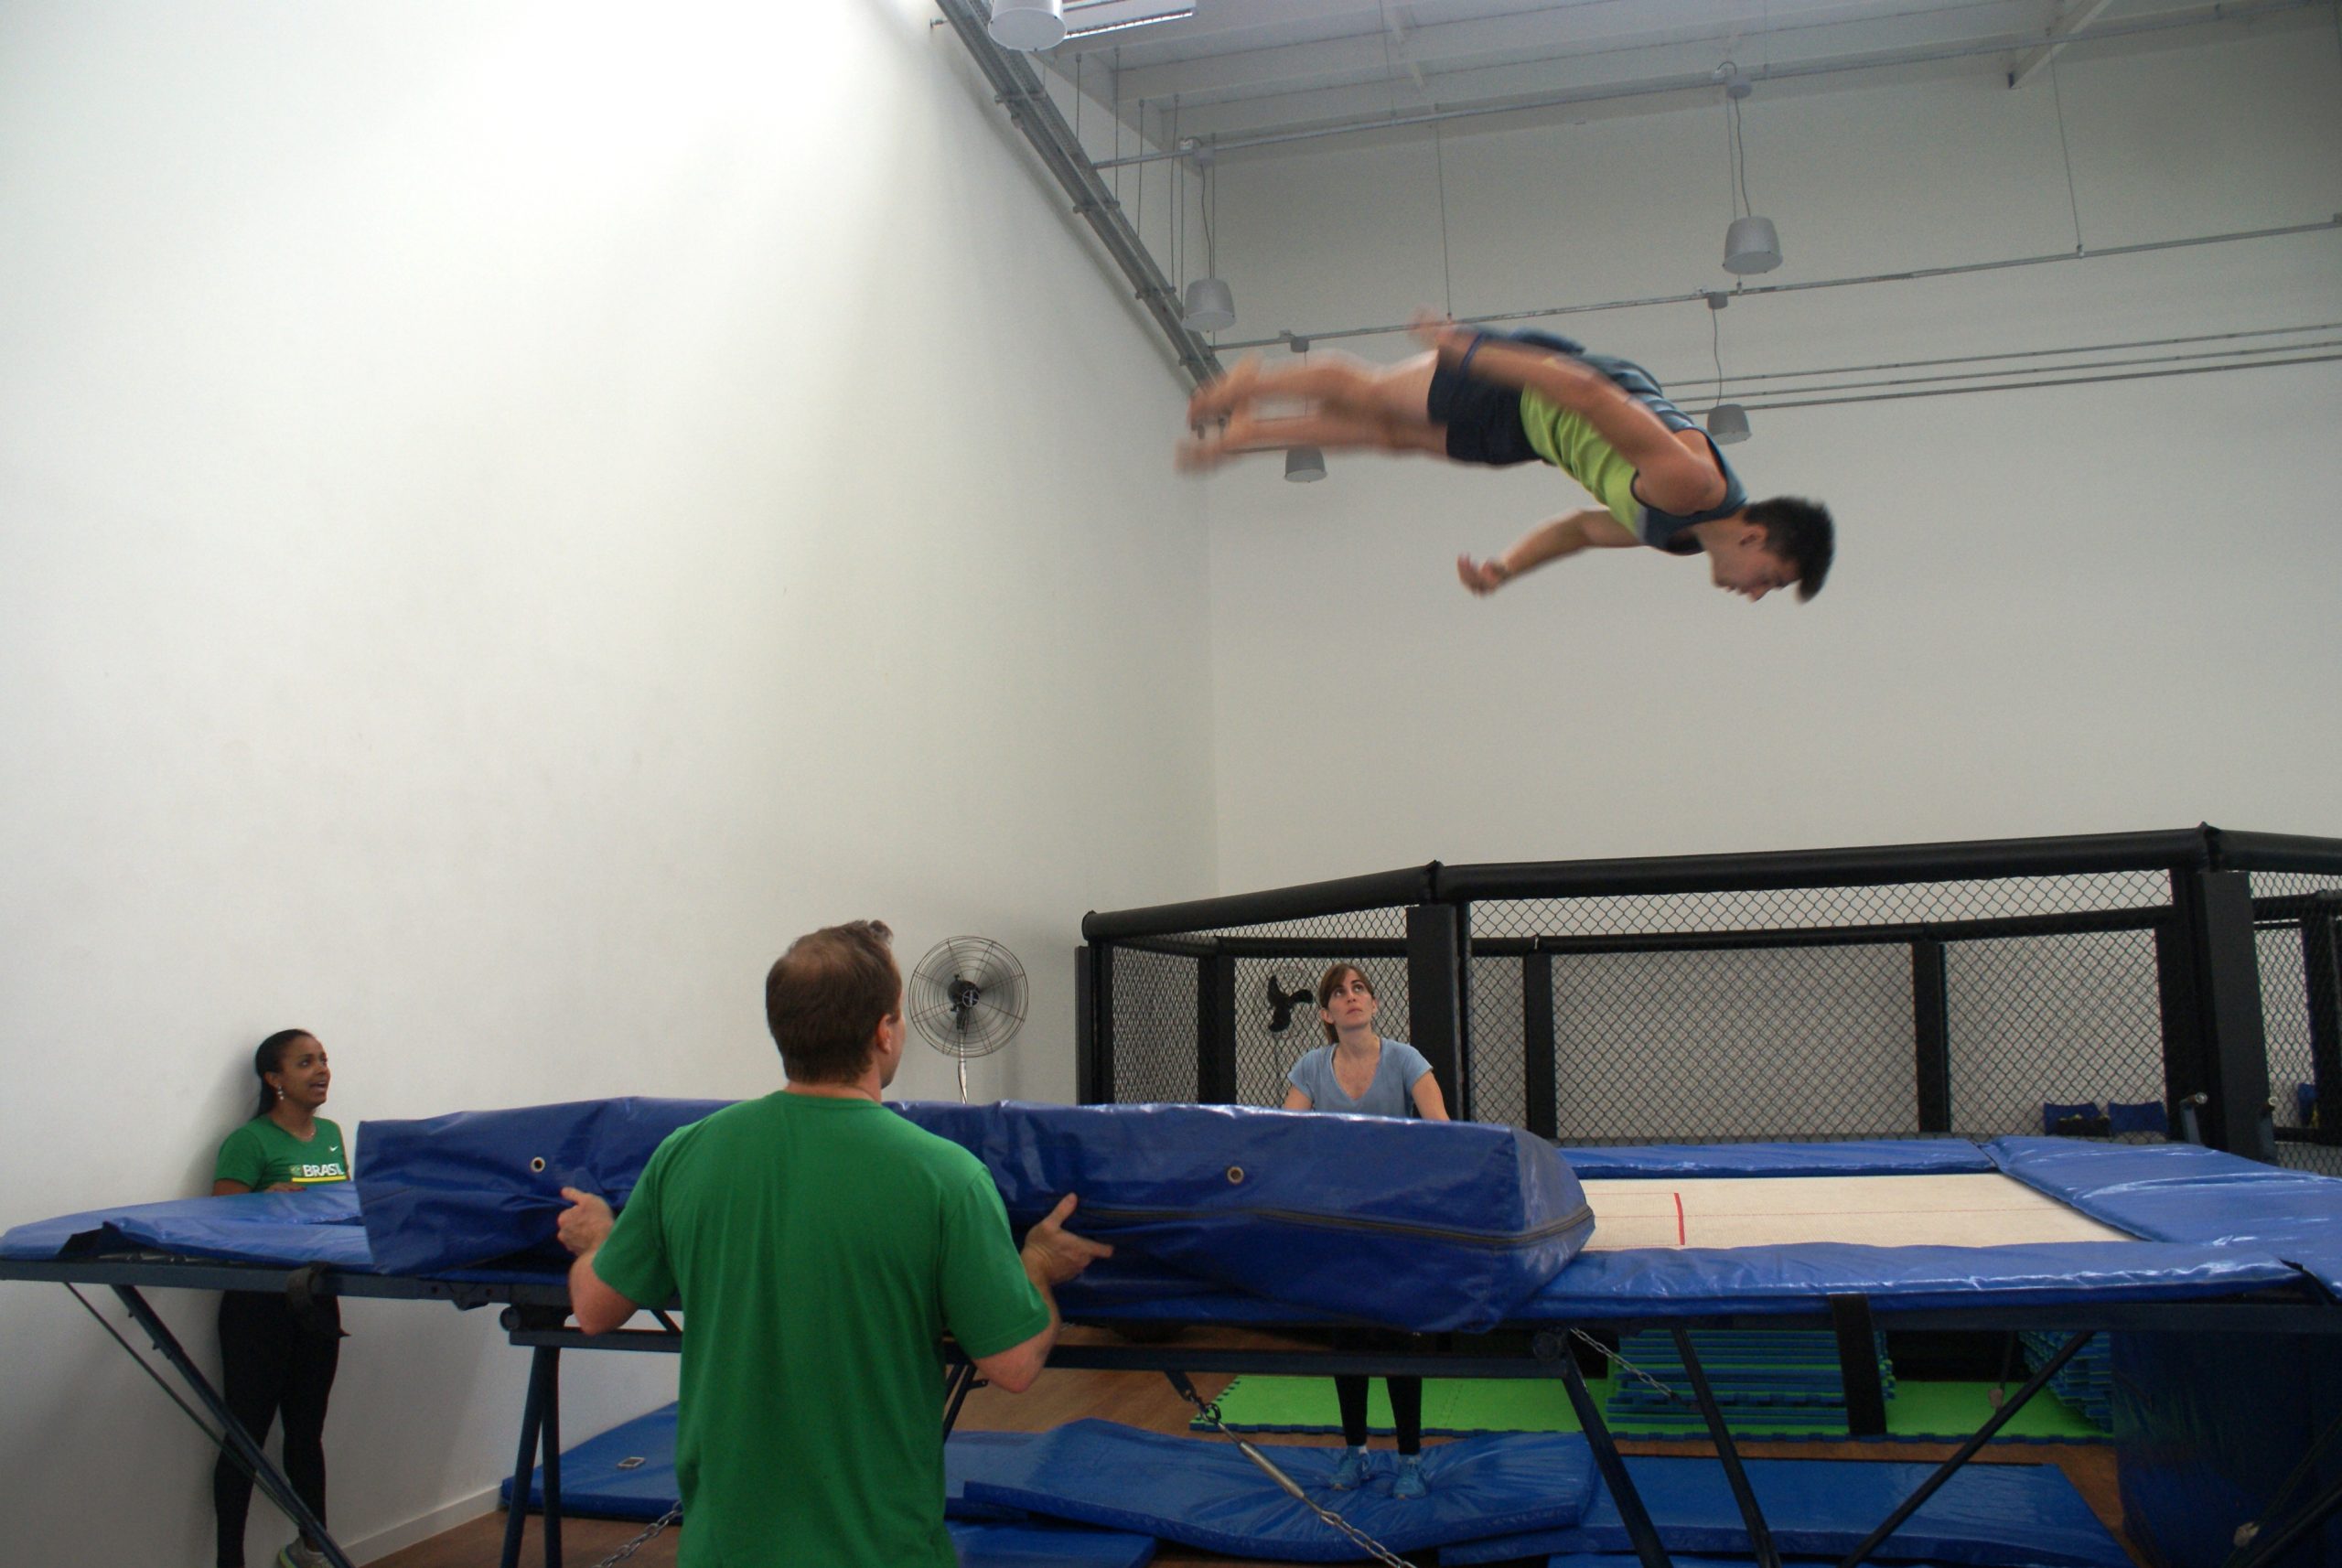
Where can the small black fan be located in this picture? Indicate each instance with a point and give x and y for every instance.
(967, 997)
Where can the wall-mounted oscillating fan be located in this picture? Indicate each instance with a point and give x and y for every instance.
(967, 997)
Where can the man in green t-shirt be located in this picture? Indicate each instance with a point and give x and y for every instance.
(1501, 398)
(821, 1246)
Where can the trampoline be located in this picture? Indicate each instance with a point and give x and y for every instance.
(2026, 1232)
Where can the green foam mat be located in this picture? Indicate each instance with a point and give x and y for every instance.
(1457, 1406)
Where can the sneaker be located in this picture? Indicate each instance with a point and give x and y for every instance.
(1411, 1482)
(1352, 1473)
(301, 1554)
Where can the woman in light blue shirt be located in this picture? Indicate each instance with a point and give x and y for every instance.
(1358, 1072)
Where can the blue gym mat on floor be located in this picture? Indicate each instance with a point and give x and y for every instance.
(1209, 1495)
(1043, 1545)
(628, 1472)
(1990, 1516)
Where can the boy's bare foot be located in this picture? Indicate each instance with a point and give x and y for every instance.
(1218, 398)
(1200, 454)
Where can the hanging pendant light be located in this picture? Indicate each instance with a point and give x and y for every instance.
(1751, 245)
(1303, 465)
(1027, 25)
(1211, 306)
(1727, 422)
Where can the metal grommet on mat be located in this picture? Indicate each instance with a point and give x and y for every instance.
(538, 1163)
(1236, 1175)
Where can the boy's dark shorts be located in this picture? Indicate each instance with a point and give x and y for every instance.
(1483, 419)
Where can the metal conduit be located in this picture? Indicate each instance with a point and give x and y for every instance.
(2045, 381)
(1703, 80)
(2239, 360)
(1752, 291)
(1019, 88)
(2043, 353)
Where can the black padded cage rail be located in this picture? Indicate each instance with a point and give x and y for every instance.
(2141, 985)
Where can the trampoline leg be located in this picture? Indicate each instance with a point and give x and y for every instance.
(524, 1469)
(955, 1393)
(549, 1440)
(2324, 1505)
(1649, 1548)
(1850, 1320)
(1944, 1472)
(270, 1479)
(1761, 1537)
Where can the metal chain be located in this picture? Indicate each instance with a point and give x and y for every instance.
(639, 1541)
(1626, 1366)
(1292, 1488)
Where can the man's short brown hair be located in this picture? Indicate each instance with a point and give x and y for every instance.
(825, 997)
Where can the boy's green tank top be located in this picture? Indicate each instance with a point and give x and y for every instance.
(262, 1155)
(821, 1247)
(1568, 441)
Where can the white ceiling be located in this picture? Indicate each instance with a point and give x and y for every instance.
(1244, 68)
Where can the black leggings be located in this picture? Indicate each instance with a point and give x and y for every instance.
(1406, 1410)
(271, 1366)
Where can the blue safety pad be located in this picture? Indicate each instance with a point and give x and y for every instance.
(1043, 1545)
(982, 1457)
(628, 1472)
(1209, 1495)
(1417, 1225)
(449, 1191)
(1420, 1225)
(2182, 1192)
(319, 1225)
(2008, 1516)
(1879, 1156)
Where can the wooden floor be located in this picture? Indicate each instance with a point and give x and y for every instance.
(1145, 1399)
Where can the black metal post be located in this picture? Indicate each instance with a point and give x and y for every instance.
(958, 1382)
(1850, 1319)
(1466, 1089)
(2216, 907)
(549, 1444)
(2183, 1034)
(1539, 1073)
(1216, 1030)
(2324, 1505)
(1931, 1035)
(1967, 1449)
(2322, 974)
(1632, 1514)
(1086, 960)
(1760, 1536)
(1435, 997)
(524, 1468)
(246, 1447)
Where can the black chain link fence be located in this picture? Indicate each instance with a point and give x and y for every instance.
(1969, 991)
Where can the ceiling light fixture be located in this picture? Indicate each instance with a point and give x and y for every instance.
(1751, 244)
(1027, 25)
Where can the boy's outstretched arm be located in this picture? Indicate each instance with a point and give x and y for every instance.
(1669, 472)
(1548, 542)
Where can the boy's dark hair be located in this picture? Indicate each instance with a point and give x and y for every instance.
(1330, 979)
(268, 1056)
(1799, 532)
(825, 997)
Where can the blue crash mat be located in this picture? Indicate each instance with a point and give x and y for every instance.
(2002, 1516)
(320, 1225)
(1425, 1226)
(451, 1191)
(1048, 1546)
(1209, 1495)
(982, 1457)
(628, 1472)
(2181, 1192)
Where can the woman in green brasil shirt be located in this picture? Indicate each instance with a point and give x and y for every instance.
(273, 1361)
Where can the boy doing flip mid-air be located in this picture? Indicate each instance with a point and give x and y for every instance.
(1503, 398)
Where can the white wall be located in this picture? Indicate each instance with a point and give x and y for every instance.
(2088, 609)
(508, 514)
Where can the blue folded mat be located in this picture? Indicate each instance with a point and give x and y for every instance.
(1209, 1495)
(628, 1472)
(982, 1457)
(1993, 1516)
(1041, 1545)
(1417, 1225)
(316, 1225)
